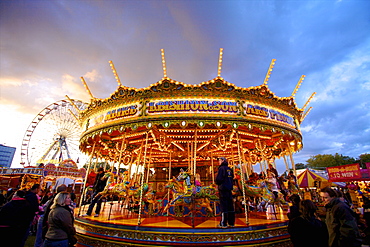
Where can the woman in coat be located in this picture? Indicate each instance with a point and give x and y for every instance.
(307, 230)
(61, 231)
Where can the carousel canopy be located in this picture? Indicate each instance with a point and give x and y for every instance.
(171, 120)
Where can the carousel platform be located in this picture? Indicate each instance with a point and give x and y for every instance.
(120, 227)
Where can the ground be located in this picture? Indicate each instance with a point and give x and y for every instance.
(30, 241)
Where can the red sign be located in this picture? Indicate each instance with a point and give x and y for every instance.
(344, 173)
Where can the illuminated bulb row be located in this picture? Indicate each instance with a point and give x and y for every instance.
(189, 136)
(115, 73)
(189, 130)
(164, 64)
(269, 71)
(298, 85)
(308, 101)
(87, 88)
(220, 63)
(253, 135)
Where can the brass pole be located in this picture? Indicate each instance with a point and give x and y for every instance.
(86, 175)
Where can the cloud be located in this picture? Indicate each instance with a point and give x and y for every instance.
(47, 46)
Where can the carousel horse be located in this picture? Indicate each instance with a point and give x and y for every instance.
(185, 200)
(109, 176)
(111, 188)
(260, 191)
(209, 192)
(292, 185)
(133, 193)
(89, 191)
(153, 204)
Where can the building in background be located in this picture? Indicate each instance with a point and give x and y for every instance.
(6, 155)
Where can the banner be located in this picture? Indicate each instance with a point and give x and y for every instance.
(344, 173)
(14, 171)
(70, 172)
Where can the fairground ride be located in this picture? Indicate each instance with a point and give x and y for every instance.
(53, 135)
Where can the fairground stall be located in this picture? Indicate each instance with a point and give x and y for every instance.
(12, 179)
(356, 179)
(66, 173)
(48, 176)
(172, 129)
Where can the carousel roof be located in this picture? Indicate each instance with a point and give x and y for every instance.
(171, 120)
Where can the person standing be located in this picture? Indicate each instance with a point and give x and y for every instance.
(307, 230)
(61, 231)
(15, 220)
(31, 197)
(42, 225)
(99, 185)
(272, 170)
(294, 209)
(340, 220)
(224, 180)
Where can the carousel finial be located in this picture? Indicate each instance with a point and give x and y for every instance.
(269, 71)
(220, 63)
(87, 88)
(298, 85)
(115, 73)
(164, 64)
(306, 113)
(73, 115)
(73, 104)
(308, 101)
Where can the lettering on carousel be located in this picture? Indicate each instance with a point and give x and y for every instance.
(121, 112)
(209, 106)
(268, 113)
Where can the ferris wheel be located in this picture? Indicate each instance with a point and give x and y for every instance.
(53, 135)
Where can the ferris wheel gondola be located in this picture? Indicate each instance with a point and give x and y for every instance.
(53, 135)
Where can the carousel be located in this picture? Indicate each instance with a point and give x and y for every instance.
(168, 137)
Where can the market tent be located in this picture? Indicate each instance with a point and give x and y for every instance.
(308, 178)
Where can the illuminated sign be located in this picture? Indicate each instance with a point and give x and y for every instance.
(193, 106)
(121, 112)
(345, 172)
(265, 112)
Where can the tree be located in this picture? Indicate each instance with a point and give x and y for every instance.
(364, 158)
(300, 166)
(322, 161)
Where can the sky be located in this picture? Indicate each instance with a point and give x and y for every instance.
(46, 46)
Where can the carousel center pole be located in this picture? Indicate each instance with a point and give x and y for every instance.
(286, 164)
(213, 179)
(243, 182)
(150, 161)
(120, 158)
(142, 180)
(292, 161)
(138, 162)
(169, 178)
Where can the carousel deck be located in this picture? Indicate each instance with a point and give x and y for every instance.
(120, 227)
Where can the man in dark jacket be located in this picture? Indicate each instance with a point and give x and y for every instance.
(224, 180)
(14, 220)
(342, 225)
(99, 185)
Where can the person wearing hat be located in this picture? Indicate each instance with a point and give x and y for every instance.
(99, 186)
(224, 180)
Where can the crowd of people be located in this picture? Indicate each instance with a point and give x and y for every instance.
(336, 225)
(48, 215)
